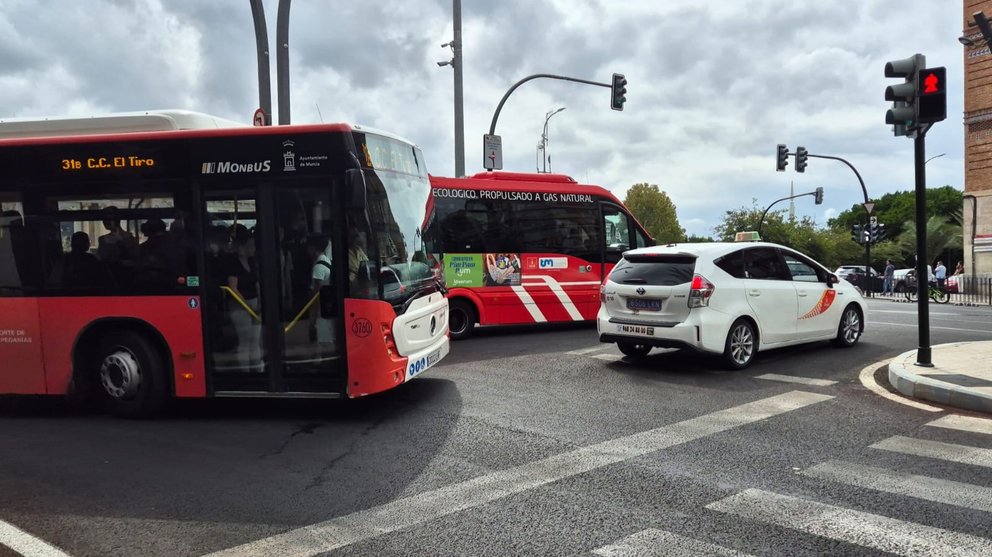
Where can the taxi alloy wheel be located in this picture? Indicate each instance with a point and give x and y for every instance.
(741, 345)
(849, 330)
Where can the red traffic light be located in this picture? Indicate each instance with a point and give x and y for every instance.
(932, 82)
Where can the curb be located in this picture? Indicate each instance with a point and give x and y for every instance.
(901, 377)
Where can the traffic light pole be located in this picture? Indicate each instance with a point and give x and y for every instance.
(499, 107)
(762, 221)
(922, 284)
(867, 216)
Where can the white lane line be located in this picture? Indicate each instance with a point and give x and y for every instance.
(607, 357)
(860, 528)
(590, 350)
(659, 543)
(794, 379)
(935, 449)
(26, 544)
(900, 483)
(404, 513)
(914, 325)
(867, 377)
(964, 423)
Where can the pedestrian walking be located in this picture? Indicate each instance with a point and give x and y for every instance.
(890, 271)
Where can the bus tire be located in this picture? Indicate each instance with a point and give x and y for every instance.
(130, 375)
(461, 319)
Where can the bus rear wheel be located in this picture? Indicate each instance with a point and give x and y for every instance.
(130, 377)
(461, 319)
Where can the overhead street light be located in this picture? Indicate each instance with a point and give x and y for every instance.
(543, 145)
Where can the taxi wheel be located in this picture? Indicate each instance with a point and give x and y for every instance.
(741, 345)
(850, 328)
(461, 319)
(633, 349)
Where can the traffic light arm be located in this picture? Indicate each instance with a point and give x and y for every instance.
(762, 221)
(499, 107)
(849, 165)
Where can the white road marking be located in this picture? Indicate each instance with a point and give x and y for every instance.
(590, 350)
(26, 544)
(659, 543)
(794, 379)
(417, 509)
(914, 325)
(964, 423)
(935, 449)
(855, 527)
(608, 357)
(900, 483)
(867, 377)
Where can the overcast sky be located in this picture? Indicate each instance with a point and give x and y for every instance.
(713, 86)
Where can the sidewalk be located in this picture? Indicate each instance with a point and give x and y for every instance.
(961, 376)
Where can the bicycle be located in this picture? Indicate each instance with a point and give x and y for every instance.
(938, 295)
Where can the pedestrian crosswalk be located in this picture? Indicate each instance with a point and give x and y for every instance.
(858, 527)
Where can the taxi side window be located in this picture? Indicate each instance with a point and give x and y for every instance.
(732, 264)
(800, 270)
(765, 264)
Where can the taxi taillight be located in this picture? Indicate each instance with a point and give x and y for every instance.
(700, 291)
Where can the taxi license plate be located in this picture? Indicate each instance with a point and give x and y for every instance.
(422, 364)
(636, 329)
(646, 304)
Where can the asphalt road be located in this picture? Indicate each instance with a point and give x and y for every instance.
(525, 441)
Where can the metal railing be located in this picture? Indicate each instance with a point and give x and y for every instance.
(970, 290)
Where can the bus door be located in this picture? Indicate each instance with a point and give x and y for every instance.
(20, 333)
(311, 287)
(272, 325)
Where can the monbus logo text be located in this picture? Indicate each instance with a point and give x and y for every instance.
(228, 167)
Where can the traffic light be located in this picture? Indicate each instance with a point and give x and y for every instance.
(931, 94)
(903, 114)
(877, 233)
(856, 233)
(865, 235)
(619, 92)
(801, 159)
(818, 196)
(783, 158)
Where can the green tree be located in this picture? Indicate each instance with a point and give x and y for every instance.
(895, 209)
(655, 211)
(942, 235)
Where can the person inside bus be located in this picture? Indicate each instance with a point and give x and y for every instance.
(80, 268)
(160, 257)
(322, 328)
(11, 256)
(242, 280)
(117, 244)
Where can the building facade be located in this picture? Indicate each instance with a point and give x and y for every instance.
(977, 208)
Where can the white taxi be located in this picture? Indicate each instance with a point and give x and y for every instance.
(731, 298)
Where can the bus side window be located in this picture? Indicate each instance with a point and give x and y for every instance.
(617, 232)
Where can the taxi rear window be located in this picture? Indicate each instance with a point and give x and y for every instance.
(656, 270)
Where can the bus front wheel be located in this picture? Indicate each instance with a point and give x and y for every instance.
(130, 376)
(461, 319)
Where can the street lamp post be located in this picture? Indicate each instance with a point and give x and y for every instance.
(544, 139)
(456, 65)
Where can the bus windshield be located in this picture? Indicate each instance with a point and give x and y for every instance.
(398, 194)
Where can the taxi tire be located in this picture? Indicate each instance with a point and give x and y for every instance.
(633, 349)
(843, 339)
(742, 331)
(461, 319)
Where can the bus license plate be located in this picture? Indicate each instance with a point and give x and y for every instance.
(422, 364)
(646, 304)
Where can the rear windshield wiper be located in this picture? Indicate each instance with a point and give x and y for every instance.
(634, 281)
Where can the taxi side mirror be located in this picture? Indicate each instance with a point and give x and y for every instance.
(832, 279)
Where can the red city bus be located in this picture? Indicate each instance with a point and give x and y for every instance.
(526, 248)
(233, 261)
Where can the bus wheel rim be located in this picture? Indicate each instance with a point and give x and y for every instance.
(120, 374)
(458, 321)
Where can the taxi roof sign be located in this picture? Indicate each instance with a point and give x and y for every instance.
(750, 236)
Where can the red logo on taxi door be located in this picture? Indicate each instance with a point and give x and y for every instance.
(822, 305)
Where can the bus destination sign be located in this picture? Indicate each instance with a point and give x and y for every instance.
(106, 163)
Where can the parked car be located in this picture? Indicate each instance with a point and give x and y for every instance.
(855, 274)
(731, 299)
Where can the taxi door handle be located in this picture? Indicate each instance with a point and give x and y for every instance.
(754, 292)
(803, 294)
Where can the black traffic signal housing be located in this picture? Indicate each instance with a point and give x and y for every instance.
(856, 233)
(931, 95)
(818, 195)
(903, 114)
(619, 92)
(801, 156)
(783, 158)
(878, 233)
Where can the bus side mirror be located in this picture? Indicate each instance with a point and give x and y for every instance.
(328, 302)
(355, 182)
